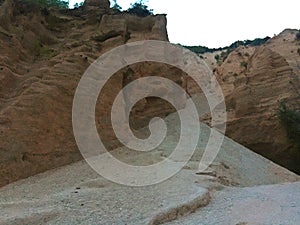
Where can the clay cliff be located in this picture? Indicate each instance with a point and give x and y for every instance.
(255, 80)
(44, 53)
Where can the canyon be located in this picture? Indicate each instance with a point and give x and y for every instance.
(43, 177)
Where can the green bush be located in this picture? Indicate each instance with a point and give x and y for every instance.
(50, 3)
(225, 54)
(202, 49)
(244, 64)
(78, 5)
(290, 119)
(43, 51)
(116, 6)
(198, 49)
(140, 9)
(217, 57)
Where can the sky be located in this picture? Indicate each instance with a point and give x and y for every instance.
(218, 23)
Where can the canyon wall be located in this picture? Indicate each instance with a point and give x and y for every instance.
(44, 53)
(255, 81)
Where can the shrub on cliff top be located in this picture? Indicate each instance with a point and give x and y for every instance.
(140, 9)
(116, 6)
(50, 3)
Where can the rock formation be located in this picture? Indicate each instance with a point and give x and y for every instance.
(45, 52)
(43, 56)
(255, 80)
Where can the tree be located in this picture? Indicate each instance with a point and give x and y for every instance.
(116, 6)
(50, 3)
(140, 9)
(58, 3)
(77, 5)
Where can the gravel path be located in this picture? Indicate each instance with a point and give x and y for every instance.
(267, 205)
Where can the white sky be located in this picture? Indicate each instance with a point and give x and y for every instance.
(218, 23)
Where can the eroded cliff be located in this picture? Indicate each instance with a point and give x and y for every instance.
(44, 53)
(255, 81)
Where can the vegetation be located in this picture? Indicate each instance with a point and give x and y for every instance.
(42, 50)
(298, 51)
(291, 121)
(244, 64)
(116, 6)
(200, 49)
(140, 9)
(217, 57)
(225, 54)
(50, 3)
(228, 49)
(222, 57)
(78, 5)
(298, 35)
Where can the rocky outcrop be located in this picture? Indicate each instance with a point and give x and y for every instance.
(43, 56)
(254, 102)
(255, 80)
